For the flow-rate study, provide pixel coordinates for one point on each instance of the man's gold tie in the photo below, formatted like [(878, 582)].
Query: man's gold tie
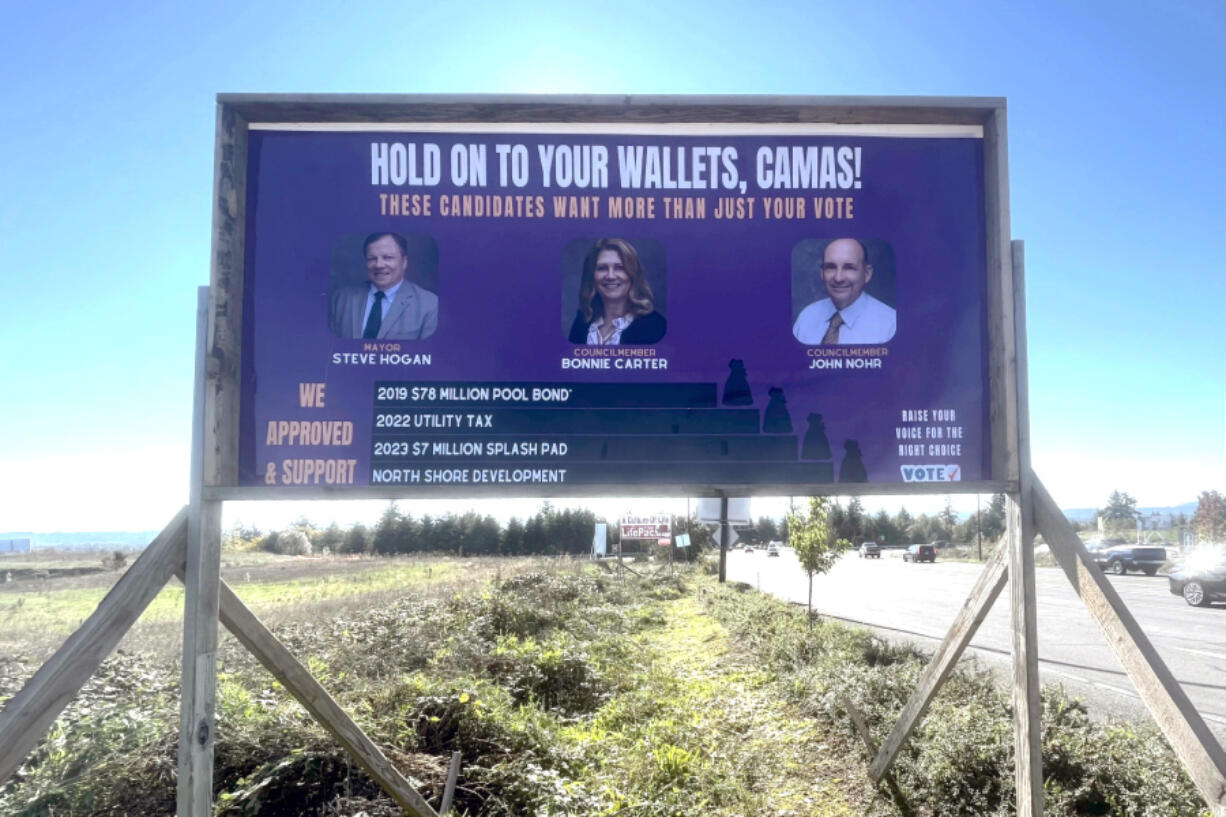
[(832, 334)]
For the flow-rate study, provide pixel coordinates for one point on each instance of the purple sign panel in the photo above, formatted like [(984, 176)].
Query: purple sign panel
[(563, 311)]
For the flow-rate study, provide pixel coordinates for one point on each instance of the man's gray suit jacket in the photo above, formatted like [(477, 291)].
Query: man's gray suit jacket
[(412, 316)]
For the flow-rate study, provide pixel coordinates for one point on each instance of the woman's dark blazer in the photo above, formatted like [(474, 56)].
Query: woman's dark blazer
[(642, 331)]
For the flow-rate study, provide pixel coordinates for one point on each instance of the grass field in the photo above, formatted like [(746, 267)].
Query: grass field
[(567, 691), (40, 613)]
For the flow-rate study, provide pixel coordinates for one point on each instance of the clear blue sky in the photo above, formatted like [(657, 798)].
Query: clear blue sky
[(1116, 158)]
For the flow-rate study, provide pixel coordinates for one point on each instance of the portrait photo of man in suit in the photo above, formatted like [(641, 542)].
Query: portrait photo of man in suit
[(848, 314), (388, 305)]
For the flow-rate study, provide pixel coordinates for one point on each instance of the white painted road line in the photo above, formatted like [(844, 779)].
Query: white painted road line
[(1219, 655)]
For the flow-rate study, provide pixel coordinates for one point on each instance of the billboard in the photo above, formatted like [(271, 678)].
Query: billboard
[(653, 526), (567, 308)]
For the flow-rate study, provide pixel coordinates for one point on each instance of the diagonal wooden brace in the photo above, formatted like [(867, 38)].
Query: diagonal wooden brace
[(1178, 719), (296, 678), (987, 588), (30, 713)]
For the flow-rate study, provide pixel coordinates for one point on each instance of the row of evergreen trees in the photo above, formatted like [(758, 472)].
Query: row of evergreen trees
[(850, 521), (553, 531), (550, 531)]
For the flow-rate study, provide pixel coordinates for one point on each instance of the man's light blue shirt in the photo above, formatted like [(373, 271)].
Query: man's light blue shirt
[(865, 321)]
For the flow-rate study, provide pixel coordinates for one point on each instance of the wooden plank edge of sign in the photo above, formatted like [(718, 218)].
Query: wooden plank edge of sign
[(28, 715), (611, 107), (1027, 702), (252, 493), (297, 679), (979, 602), (223, 360), (1184, 728), (1002, 338)]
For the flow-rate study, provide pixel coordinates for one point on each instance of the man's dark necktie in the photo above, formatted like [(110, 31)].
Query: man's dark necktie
[(832, 334), (376, 317)]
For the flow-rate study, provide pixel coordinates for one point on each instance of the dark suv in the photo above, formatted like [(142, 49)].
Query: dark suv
[(920, 553), (1119, 559)]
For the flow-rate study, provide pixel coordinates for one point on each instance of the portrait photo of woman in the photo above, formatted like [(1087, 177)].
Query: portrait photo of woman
[(616, 302)]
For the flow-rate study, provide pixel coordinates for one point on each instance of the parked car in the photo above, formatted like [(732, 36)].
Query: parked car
[(920, 553), (870, 550), (1200, 579), (772, 550), (1119, 559)]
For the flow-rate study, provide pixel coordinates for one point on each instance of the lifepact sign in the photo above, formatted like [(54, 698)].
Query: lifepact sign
[(556, 296)]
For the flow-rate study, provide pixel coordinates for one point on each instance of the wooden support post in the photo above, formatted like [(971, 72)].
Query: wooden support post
[(270, 652), (1027, 707), (453, 773), (201, 583), (1178, 719), (982, 596), (30, 712), (857, 720)]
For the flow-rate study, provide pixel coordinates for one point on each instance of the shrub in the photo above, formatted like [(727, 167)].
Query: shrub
[(556, 674), (959, 760)]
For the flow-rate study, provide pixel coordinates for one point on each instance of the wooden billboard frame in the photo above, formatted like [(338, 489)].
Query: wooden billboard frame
[(237, 114), (190, 545)]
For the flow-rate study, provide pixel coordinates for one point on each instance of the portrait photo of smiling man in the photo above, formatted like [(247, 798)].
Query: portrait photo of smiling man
[(620, 293), (841, 271), (393, 302)]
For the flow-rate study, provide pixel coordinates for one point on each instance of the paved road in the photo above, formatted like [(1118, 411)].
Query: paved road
[(919, 603)]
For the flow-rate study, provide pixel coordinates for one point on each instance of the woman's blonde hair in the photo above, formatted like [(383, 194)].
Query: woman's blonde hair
[(642, 301)]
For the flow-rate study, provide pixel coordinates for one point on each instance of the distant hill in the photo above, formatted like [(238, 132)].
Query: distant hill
[(85, 540), (1089, 514)]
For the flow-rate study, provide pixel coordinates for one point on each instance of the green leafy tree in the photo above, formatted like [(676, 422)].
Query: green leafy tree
[(513, 537), (966, 530), (293, 542), (925, 529), (1210, 517), (947, 517), (902, 523), (992, 520), (386, 538), (868, 531), (408, 535), (766, 529), (427, 533), (815, 541), (271, 542), (702, 537), (1120, 508), (836, 516), (887, 533), (357, 540), (331, 537), (856, 519)]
